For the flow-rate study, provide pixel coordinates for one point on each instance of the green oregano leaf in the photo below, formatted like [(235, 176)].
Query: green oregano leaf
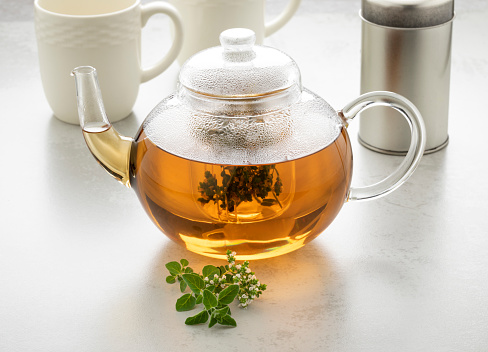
[(228, 320), (188, 270), (183, 286), (209, 299), (184, 262), (212, 321), (219, 314), (209, 271), (222, 311), (200, 318), (228, 294), (185, 302), (211, 288), (174, 268), (170, 279), (199, 299), (194, 282)]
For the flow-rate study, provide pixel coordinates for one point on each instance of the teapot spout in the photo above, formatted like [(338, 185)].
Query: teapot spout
[(109, 148)]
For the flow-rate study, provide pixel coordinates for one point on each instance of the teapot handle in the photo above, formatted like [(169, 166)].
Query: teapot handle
[(415, 151), (280, 21), (153, 8)]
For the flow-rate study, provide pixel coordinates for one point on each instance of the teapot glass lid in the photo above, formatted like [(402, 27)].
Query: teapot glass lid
[(239, 68)]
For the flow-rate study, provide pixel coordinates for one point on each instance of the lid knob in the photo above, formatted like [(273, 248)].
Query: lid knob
[(238, 39)]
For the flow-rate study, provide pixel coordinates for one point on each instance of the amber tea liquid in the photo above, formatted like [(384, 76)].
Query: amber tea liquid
[(258, 211)]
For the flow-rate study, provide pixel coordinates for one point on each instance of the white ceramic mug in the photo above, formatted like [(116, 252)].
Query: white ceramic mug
[(204, 20), (106, 35)]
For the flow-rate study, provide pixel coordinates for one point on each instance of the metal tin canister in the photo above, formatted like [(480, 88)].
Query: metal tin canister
[(406, 49)]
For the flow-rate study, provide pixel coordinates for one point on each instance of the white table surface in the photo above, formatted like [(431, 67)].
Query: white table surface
[(82, 266)]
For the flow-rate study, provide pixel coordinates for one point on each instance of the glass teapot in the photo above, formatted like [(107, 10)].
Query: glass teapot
[(240, 157)]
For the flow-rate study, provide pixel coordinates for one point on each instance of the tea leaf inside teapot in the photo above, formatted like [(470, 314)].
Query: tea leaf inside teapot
[(242, 184)]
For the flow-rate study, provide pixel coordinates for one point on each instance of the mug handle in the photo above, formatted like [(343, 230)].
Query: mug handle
[(415, 151), (280, 21), (153, 8)]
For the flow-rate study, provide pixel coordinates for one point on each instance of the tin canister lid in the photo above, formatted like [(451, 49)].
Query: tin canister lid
[(408, 13)]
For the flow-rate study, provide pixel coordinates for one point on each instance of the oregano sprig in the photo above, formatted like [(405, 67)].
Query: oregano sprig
[(215, 288)]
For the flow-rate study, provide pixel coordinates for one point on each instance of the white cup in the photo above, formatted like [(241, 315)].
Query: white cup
[(204, 20), (105, 34)]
